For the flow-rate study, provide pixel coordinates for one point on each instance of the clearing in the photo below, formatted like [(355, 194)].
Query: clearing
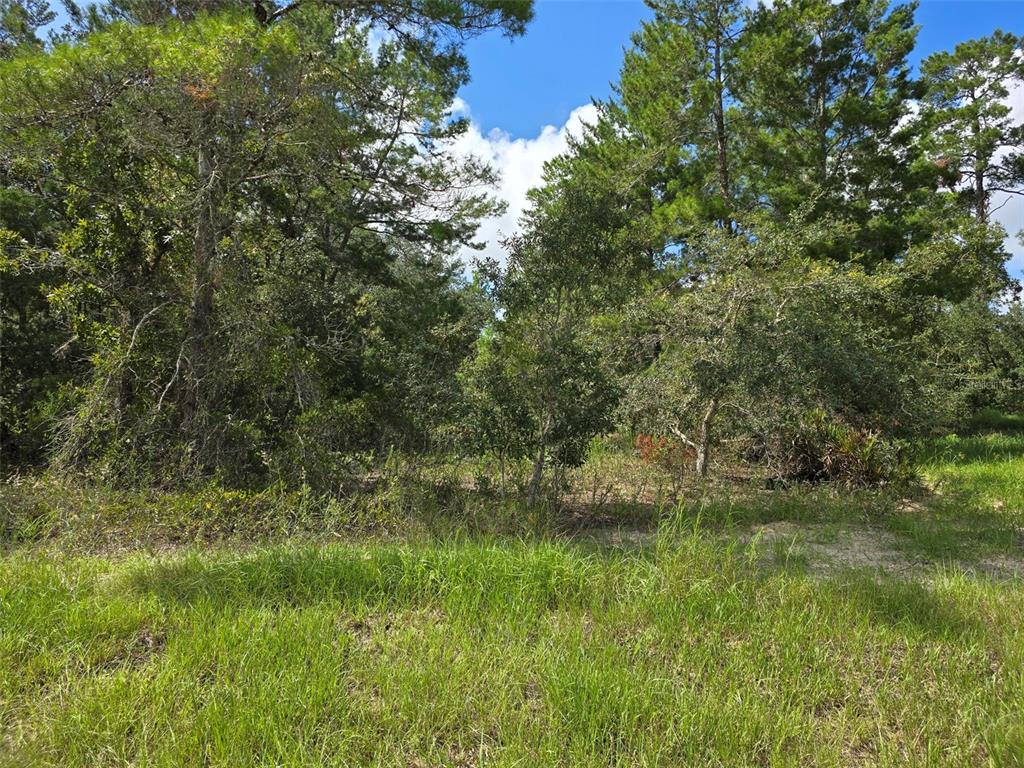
[(785, 628)]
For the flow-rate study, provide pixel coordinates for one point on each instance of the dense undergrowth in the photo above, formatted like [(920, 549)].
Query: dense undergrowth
[(411, 499), (973, 485)]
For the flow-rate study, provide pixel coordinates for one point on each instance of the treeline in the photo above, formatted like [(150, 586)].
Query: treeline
[(229, 230)]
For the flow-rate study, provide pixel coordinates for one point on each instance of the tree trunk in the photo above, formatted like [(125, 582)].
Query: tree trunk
[(980, 195), (538, 473), (721, 138), (533, 490), (704, 437), (204, 245), (980, 199), (980, 165)]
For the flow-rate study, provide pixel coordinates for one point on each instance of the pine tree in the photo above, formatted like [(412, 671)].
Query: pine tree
[(827, 87), (971, 135)]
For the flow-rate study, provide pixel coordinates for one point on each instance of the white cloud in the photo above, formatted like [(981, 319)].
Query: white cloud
[(459, 107), (1011, 214), (376, 36), (520, 163)]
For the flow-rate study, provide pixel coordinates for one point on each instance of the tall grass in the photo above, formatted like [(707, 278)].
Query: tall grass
[(504, 653), (486, 638)]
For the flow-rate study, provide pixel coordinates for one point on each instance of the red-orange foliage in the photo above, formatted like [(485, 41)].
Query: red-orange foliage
[(200, 91), (655, 449)]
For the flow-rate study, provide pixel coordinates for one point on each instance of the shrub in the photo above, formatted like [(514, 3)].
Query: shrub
[(821, 448), (663, 452)]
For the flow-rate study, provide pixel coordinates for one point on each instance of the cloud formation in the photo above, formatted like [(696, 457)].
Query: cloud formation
[(1011, 214), (520, 163)]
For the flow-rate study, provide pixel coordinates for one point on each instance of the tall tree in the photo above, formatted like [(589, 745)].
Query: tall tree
[(722, 109), (30, 371), (20, 24), (232, 188), (827, 86), (968, 120), (676, 96)]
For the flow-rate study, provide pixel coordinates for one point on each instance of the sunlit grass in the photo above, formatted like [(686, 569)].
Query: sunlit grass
[(976, 504), (987, 468), (695, 643), (502, 653)]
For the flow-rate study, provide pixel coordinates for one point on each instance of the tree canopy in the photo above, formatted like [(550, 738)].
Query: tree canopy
[(229, 234)]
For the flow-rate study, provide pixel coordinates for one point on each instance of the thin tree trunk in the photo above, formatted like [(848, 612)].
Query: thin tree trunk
[(125, 390), (980, 198), (201, 309), (538, 473), (704, 437), (980, 194), (539, 462), (721, 138)]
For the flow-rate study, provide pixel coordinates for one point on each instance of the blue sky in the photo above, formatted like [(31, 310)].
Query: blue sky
[(527, 93), (573, 48)]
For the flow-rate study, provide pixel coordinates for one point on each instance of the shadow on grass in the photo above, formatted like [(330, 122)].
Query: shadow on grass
[(473, 577), (509, 583), (907, 605)]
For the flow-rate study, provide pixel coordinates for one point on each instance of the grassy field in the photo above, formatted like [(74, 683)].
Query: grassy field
[(745, 628)]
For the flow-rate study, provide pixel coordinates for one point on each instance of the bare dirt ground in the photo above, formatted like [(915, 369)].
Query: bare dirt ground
[(829, 549)]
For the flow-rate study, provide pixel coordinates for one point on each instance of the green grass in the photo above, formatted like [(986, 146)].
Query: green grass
[(692, 644), (502, 653), (976, 507), (985, 469)]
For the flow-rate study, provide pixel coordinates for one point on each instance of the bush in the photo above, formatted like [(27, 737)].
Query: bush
[(821, 448), (664, 452)]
